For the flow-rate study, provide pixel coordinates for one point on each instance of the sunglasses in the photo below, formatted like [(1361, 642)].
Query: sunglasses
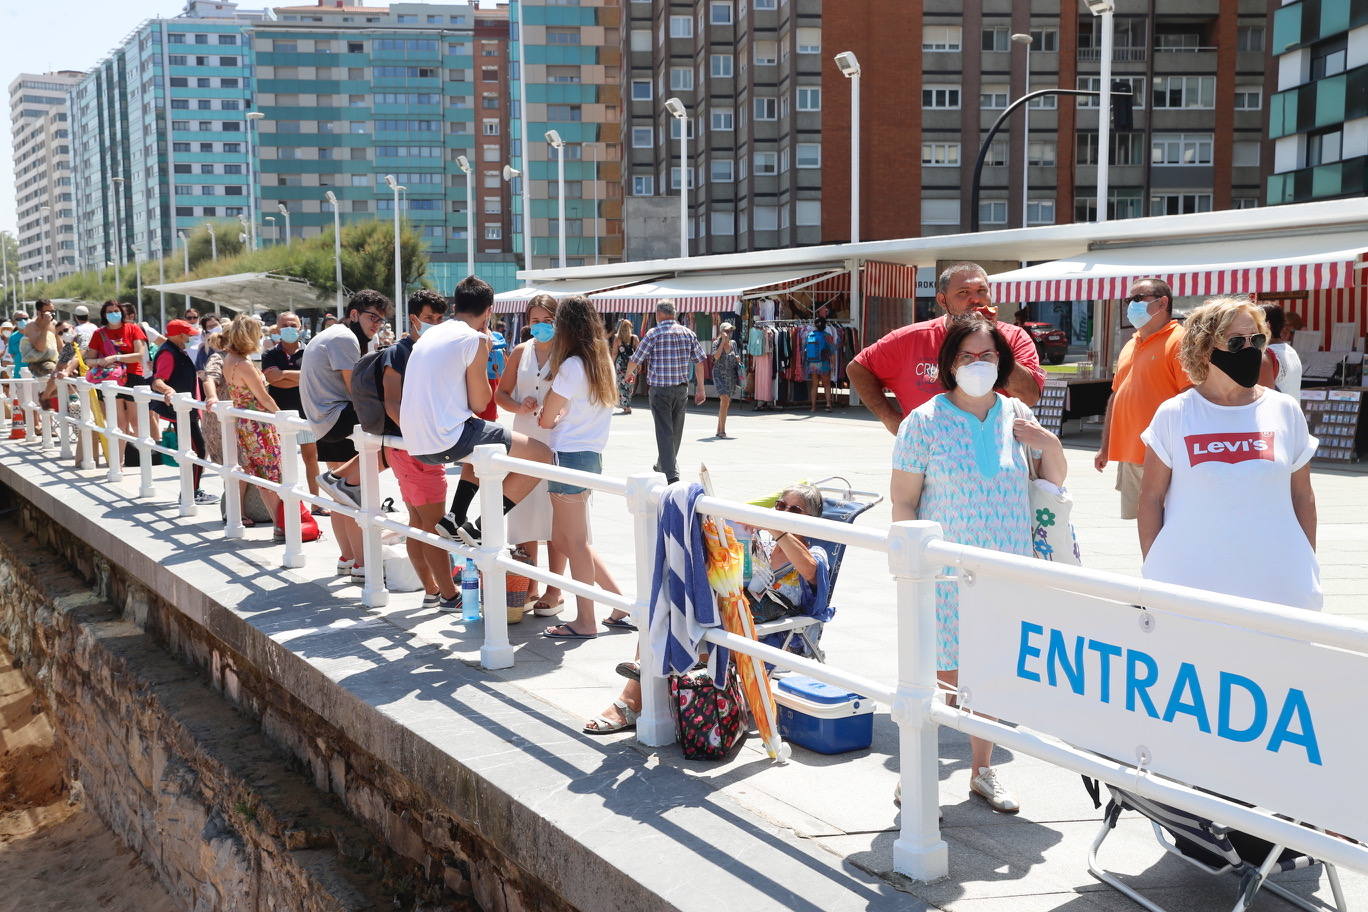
[(1240, 343), (789, 508)]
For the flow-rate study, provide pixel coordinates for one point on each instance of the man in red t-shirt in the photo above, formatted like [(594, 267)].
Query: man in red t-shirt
[(904, 361)]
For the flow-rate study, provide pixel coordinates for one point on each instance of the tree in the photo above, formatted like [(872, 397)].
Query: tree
[(11, 247)]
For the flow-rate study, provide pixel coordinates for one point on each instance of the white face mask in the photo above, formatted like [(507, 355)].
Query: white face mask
[(977, 379)]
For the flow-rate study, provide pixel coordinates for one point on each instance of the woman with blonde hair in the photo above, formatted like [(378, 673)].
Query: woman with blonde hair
[(578, 410), (623, 345), (726, 375), (258, 444), (1227, 470)]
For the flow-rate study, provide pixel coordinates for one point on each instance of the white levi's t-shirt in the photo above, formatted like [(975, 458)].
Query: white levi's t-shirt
[(436, 404), (1229, 525), (584, 426)]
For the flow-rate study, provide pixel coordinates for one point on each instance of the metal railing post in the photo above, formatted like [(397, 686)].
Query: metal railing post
[(373, 592), (63, 394), (110, 390), (919, 852), (655, 726), (496, 652), (84, 391), (289, 477), (232, 491), (145, 488), (184, 450)]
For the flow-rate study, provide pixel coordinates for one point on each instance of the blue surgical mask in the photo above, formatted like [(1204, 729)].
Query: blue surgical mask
[(275, 337), (542, 332), (289, 334), (115, 317), (21, 324), (1137, 313)]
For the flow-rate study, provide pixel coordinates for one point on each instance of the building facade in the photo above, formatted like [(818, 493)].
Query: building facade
[(1318, 115), (40, 133)]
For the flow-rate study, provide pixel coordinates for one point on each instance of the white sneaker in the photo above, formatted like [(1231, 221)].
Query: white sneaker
[(987, 787), (344, 567)]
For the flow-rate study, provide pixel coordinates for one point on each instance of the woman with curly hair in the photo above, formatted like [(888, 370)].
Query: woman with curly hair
[(1227, 470), (578, 410)]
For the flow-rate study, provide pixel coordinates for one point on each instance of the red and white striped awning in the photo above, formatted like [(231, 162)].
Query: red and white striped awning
[(706, 293), (1251, 266), (507, 302), (878, 280)]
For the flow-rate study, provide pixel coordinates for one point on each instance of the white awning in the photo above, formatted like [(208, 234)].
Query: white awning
[(516, 301), (720, 293), (248, 292), (1258, 265)]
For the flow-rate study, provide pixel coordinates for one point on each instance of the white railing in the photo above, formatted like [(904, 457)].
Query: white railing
[(917, 558)]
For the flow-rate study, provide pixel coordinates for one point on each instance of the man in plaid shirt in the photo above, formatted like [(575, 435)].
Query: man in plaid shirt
[(670, 350)]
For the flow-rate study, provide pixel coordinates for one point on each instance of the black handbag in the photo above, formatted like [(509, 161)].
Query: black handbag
[(770, 606)]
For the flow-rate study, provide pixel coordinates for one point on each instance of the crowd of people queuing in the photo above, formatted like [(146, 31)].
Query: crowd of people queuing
[(1211, 447)]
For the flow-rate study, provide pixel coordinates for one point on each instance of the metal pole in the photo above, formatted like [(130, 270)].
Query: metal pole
[(161, 295), (185, 262), (522, 119), (560, 205), (684, 187), (594, 146), (1104, 120), (470, 221), (401, 325), (285, 211), (4, 264), (137, 281), (118, 226), (1026, 145), (855, 158), (252, 118), (337, 252)]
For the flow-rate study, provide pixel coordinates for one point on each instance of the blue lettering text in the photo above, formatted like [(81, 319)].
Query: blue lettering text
[(1028, 651), (1295, 705), (1058, 658), (1256, 695), (1137, 686), (1187, 682)]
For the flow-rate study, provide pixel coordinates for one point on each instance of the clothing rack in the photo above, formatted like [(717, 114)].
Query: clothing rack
[(776, 380)]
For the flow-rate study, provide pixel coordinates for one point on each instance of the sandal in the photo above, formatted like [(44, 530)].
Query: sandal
[(629, 670), (316, 510), (567, 633), (543, 608), (622, 623), (247, 522), (602, 725)]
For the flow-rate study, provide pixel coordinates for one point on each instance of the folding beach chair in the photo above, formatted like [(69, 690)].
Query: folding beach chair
[(1212, 848), (843, 504)]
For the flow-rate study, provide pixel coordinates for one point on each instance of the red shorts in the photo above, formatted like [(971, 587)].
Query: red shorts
[(491, 412), (420, 484)]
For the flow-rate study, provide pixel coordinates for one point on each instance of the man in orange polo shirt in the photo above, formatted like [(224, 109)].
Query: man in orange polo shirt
[(1148, 373)]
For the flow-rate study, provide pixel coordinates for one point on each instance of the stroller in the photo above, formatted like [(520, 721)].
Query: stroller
[(802, 634)]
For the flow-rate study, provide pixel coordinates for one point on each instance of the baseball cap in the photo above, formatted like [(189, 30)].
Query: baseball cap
[(81, 310), (181, 328), (7, 325)]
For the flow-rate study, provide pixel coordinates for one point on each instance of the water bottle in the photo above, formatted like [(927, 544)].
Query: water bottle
[(470, 592), (744, 537)]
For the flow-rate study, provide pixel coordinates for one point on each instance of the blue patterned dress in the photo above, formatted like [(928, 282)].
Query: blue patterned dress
[(975, 486)]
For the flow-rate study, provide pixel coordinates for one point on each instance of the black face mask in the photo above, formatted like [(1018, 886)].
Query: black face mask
[(1241, 366), (360, 334)]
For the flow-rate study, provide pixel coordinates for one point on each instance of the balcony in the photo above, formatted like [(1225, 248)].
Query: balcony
[(1119, 54), (1339, 179)]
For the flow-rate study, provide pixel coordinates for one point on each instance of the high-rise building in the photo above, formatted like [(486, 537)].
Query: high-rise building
[(159, 130), (1318, 113), (40, 131)]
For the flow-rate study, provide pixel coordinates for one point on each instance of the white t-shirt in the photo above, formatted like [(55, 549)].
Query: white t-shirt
[(1289, 369), (584, 426), (1228, 520), (84, 332), (436, 404)]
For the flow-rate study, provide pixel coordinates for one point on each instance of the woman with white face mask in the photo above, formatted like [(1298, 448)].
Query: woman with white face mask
[(961, 459)]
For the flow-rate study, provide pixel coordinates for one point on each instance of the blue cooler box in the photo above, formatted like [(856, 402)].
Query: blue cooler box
[(822, 718)]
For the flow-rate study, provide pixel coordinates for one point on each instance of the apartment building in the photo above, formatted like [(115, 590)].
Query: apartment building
[(160, 134), (40, 134), (1318, 113)]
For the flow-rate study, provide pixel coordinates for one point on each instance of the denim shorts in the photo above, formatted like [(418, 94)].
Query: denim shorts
[(475, 432), (584, 462)]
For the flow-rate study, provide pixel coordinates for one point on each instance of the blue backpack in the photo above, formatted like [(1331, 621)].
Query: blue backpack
[(815, 345), (498, 356)]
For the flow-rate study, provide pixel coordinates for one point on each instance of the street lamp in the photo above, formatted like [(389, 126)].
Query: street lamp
[(337, 247), (185, 260), (113, 281), (849, 66), (275, 233), (1025, 41), (46, 213), (554, 138), (252, 118), (675, 108), (400, 309), (137, 270), (464, 164), (510, 174), (283, 210), (118, 222), (213, 241), (1104, 9)]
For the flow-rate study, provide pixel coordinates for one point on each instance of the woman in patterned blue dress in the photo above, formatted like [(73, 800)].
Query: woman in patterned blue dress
[(961, 460)]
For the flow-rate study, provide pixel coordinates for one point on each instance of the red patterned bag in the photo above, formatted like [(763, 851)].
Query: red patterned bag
[(708, 719)]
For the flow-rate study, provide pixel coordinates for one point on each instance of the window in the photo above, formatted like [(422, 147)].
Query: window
[(1245, 154), (766, 53), (766, 163), (991, 212), (809, 98), (228, 61), (559, 113), (227, 39), (1248, 98), (1245, 202), (1250, 38), (1094, 84), (641, 90), (723, 120), (490, 154), (720, 12), (766, 108), (1184, 92), (940, 211), (681, 27), (808, 155), (997, 38), (643, 185), (674, 178), (643, 138), (176, 60), (562, 35), (1040, 211), (1127, 148), (941, 97), (1181, 149), (1176, 203), (994, 97), (1041, 152), (1045, 102), (722, 171), (1324, 148), (206, 169), (493, 206), (356, 47), (721, 66), (641, 40), (493, 232), (809, 40), (681, 79), (675, 128), (940, 154), (941, 38), (489, 128), (1045, 39)]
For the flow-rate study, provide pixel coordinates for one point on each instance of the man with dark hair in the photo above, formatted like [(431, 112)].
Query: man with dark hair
[(325, 392), (1148, 374), (671, 352), (445, 389), (1285, 369), (904, 362)]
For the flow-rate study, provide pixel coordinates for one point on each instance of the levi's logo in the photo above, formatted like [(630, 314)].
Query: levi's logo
[(1229, 448)]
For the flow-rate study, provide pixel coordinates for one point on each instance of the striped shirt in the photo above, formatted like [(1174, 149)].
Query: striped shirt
[(672, 350)]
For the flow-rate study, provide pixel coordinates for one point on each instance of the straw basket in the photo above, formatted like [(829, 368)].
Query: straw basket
[(518, 587)]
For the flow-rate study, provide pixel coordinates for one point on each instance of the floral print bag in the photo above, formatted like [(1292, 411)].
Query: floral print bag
[(1052, 532)]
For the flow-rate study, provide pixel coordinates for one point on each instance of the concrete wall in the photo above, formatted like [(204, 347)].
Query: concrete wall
[(651, 227)]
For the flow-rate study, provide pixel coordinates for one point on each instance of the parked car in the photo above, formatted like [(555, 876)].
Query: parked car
[(1052, 344)]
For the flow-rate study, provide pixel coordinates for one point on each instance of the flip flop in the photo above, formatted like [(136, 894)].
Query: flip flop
[(619, 624), (543, 608), (316, 510), (569, 634), (629, 670), (601, 725)]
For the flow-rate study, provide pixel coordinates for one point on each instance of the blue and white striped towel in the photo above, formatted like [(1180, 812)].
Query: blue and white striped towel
[(682, 602)]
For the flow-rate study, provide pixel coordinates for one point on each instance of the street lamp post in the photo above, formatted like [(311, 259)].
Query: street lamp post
[(4, 267), (510, 174), (137, 281), (675, 108), (275, 232), (849, 66), (464, 164), (1025, 41), (1105, 9), (213, 241), (118, 222), (285, 211), (45, 213), (252, 118), (399, 305), (185, 260), (554, 138), (337, 247)]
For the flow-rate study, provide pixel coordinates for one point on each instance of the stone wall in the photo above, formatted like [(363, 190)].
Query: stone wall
[(235, 793)]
